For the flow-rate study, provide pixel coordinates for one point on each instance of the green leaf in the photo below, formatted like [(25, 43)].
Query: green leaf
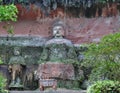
[(8, 12)]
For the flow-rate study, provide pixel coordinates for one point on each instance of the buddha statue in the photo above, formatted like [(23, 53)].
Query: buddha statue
[(16, 66), (58, 49), (58, 58)]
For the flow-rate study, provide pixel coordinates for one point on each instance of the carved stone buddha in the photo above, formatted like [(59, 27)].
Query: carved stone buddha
[(58, 49), (57, 58)]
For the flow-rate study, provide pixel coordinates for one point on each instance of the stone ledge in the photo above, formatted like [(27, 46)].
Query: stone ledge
[(51, 91), (21, 40)]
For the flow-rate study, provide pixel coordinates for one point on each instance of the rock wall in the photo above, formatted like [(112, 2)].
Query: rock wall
[(31, 49), (78, 30), (31, 36)]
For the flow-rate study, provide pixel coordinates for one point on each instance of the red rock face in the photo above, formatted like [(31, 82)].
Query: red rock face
[(30, 14), (78, 30), (55, 70)]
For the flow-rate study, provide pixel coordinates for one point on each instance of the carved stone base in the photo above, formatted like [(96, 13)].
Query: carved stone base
[(16, 87), (44, 83)]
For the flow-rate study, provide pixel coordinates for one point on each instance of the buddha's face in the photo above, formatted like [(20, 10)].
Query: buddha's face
[(58, 31)]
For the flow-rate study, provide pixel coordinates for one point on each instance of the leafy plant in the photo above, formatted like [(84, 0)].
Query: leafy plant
[(1, 62), (8, 12), (104, 58), (2, 84), (9, 28), (106, 86)]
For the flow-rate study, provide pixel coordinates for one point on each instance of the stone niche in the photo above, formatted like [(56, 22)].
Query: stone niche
[(30, 48), (33, 50)]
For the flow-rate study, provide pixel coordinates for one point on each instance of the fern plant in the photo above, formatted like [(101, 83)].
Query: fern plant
[(1, 62), (106, 86), (3, 84)]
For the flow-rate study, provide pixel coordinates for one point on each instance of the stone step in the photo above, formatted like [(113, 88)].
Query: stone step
[(51, 91)]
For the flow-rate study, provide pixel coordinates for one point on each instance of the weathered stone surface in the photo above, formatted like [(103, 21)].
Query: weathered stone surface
[(22, 40), (68, 84), (58, 50), (4, 70), (85, 84), (56, 70), (79, 74), (77, 29), (29, 53), (17, 60), (52, 91), (30, 81), (59, 41)]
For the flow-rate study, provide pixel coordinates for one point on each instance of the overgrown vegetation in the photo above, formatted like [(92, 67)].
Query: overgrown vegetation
[(78, 8), (73, 3), (2, 84), (70, 56), (106, 86), (1, 62), (104, 58)]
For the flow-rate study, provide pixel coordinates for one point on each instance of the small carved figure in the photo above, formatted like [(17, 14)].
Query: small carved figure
[(16, 65)]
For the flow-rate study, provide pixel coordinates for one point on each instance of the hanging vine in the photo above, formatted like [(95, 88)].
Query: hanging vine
[(47, 5)]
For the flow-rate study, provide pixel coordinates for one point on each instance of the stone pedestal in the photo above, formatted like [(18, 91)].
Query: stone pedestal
[(56, 70)]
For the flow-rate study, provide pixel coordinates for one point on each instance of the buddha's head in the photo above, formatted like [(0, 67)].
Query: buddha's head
[(58, 30)]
